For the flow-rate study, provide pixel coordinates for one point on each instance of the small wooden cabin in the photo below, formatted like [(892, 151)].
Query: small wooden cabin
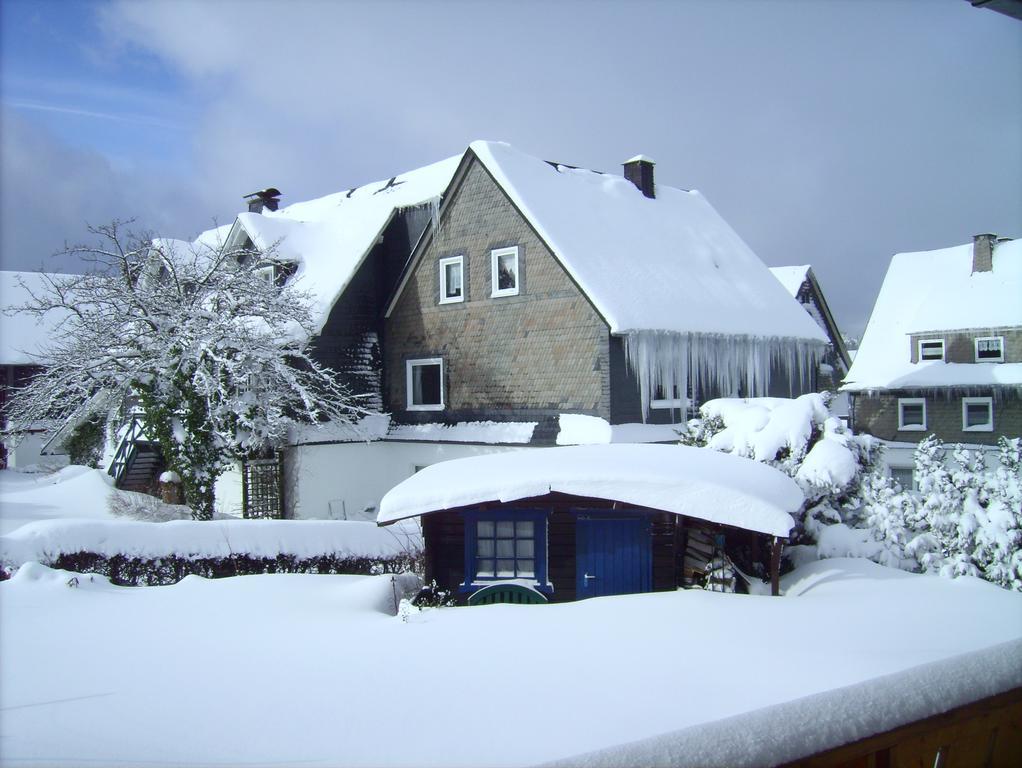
[(586, 521)]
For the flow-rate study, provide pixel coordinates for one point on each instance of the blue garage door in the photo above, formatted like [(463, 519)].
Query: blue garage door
[(612, 556)]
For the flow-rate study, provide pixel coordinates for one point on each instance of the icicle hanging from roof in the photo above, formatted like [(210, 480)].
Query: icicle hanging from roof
[(723, 365)]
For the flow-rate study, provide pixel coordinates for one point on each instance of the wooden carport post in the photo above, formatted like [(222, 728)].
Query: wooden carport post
[(775, 566)]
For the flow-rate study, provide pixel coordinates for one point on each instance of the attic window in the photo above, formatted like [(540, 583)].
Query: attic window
[(990, 349), (931, 349), (911, 414), (452, 282), (504, 271)]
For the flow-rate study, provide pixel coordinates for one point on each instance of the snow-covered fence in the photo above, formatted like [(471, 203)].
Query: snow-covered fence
[(135, 553)]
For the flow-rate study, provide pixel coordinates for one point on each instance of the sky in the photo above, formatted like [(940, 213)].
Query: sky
[(829, 132)]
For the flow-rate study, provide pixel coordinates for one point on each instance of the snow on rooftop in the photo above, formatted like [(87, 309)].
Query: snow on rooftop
[(664, 264), (937, 291), (329, 237), (683, 480), (23, 336), (791, 277)]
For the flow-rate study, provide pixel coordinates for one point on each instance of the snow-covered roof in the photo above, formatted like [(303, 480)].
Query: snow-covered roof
[(329, 237), (937, 291), (689, 481), (791, 278), (668, 263), (22, 335)]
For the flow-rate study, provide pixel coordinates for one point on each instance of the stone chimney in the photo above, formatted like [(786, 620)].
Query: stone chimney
[(639, 171), (983, 252), (268, 198)]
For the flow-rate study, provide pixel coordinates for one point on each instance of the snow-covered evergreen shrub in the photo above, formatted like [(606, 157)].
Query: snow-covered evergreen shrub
[(85, 445)]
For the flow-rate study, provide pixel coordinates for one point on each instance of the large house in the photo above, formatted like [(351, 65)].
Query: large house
[(942, 352), (495, 301)]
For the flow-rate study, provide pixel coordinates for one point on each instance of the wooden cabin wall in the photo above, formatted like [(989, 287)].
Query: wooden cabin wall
[(561, 555), (443, 536)]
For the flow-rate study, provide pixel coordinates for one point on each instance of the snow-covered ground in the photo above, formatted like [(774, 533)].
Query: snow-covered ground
[(294, 669), (72, 492)]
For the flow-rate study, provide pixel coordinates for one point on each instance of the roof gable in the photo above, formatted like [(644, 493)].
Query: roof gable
[(933, 291)]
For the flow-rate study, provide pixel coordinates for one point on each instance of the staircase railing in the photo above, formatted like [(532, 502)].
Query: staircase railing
[(126, 450)]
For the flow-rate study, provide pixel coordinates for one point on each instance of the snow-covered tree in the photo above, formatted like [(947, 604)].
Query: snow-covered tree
[(215, 355)]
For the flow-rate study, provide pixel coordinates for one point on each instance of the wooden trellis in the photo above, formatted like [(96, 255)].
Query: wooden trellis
[(262, 488)]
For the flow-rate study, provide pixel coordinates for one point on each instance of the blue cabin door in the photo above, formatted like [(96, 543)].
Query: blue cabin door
[(612, 556)]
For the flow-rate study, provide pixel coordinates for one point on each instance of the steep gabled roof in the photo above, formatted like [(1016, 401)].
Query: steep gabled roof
[(934, 292), (668, 263), (793, 279), (24, 336)]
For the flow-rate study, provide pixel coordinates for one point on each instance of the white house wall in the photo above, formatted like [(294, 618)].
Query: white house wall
[(347, 480)]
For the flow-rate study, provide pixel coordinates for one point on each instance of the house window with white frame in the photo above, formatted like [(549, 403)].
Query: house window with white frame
[(931, 349), (977, 414), (911, 414), (452, 280), (424, 384), (266, 273), (504, 272), (905, 477), (990, 349)]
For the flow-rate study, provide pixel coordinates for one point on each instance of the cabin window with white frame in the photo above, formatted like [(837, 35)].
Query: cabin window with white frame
[(990, 349), (424, 380), (452, 280), (661, 401), (504, 272), (977, 414), (931, 349), (912, 414), (505, 549)]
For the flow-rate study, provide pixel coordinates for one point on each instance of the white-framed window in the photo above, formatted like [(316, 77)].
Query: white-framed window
[(990, 349), (931, 349), (452, 279), (504, 272), (905, 477), (265, 273), (911, 414), (424, 384), (977, 414)]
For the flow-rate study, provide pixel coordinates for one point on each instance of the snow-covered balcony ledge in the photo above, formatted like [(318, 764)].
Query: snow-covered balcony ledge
[(688, 364)]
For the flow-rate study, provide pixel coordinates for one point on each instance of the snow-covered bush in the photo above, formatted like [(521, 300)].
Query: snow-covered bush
[(801, 438)]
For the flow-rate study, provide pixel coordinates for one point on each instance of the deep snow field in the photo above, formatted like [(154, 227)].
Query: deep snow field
[(318, 670)]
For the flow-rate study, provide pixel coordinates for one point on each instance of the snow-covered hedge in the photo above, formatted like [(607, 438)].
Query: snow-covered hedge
[(132, 552)]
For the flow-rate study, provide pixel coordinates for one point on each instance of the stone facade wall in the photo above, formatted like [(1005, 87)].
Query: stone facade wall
[(960, 346), (542, 352), (878, 416)]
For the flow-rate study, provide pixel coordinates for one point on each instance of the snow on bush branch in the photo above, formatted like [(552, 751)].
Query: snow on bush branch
[(965, 518), (215, 355)]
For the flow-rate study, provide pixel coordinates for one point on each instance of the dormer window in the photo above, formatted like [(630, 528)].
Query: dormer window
[(990, 349), (452, 280), (931, 349)]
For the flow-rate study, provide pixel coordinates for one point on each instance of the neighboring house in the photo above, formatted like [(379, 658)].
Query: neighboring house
[(942, 352), (480, 300), (22, 337), (562, 524), (802, 284)]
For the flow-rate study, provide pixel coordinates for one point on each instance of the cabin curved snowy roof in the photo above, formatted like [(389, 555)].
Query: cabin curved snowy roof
[(24, 336), (937, 291), (668, 263), (696, 482)]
